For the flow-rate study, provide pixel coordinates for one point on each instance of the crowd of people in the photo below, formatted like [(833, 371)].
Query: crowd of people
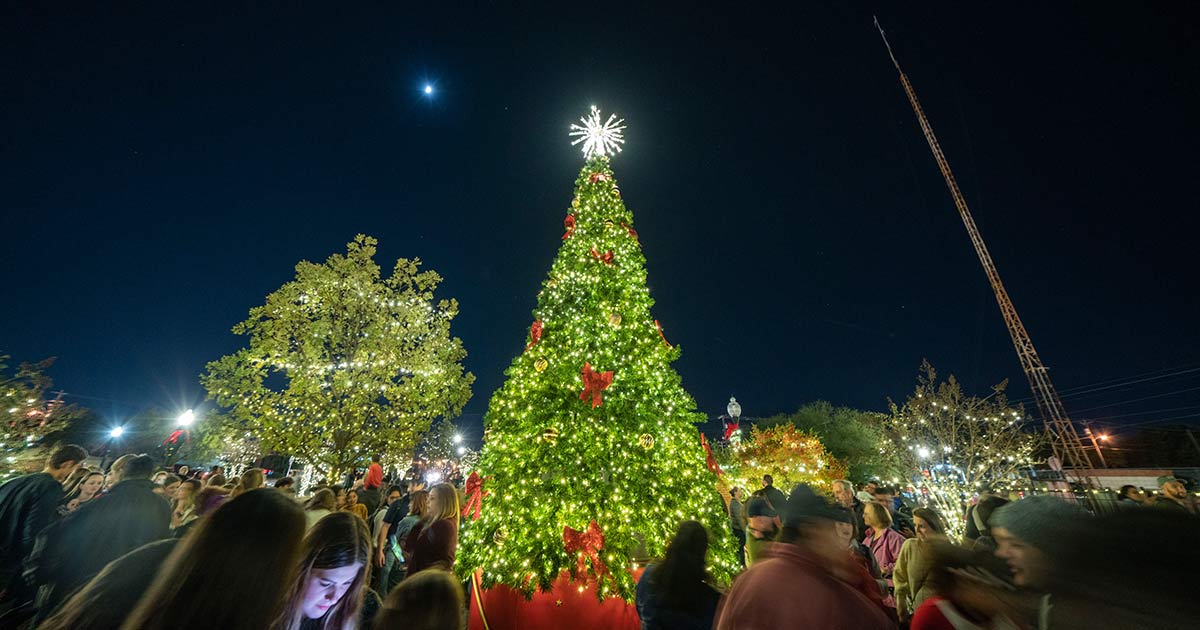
[(139, 547), (863, 558)]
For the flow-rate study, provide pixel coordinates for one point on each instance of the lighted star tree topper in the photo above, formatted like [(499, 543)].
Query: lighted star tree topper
[(599, 138), (591, 449)]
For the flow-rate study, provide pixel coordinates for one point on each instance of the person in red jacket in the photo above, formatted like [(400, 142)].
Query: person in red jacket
[(804, 580)]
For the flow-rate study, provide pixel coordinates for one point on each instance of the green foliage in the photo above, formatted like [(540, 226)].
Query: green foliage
[(439, 442), (855, 437), (551, 460), (343, 363), (28, 417)]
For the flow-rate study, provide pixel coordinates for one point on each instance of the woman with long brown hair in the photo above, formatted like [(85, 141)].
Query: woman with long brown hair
[(436, 543), (915, 562), (329, 589), (232, 572)]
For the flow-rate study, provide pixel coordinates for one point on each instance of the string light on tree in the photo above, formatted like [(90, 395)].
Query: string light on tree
[(591, 447)]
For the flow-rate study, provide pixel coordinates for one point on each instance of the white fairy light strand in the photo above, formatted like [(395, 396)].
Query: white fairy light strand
[(599, 138)]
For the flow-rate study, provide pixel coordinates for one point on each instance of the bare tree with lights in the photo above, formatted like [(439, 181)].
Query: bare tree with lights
[(951, 443), (343, 363)]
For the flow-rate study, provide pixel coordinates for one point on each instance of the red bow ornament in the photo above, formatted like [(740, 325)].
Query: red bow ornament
[(709, 460), (535, 334), (569, 224), (606, 257), (730, 428), (632, 232), (593, 383), (475, 493), (587, 546), (597, 177)]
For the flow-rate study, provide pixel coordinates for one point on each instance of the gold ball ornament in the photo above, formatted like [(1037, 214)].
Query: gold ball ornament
[(646, 441), (608, 224), (499, 536), (550, 435), (616, 191), (614, 319), (541, 365), (575, 202)]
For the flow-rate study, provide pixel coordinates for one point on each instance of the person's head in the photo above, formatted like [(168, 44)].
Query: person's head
[(216, 470), (217, 480), (876, 516), (418, 503), (844, 525), (843, 491), (339, 495), (187, 491), (870, 487), (252, 479), (975, 581), (116, 470), (169, 486), (1027, 530), (351, 498), (426, 600), (393, 494), (885, 496), (231, 572), (71, 481), (1131, 493), (928, 524), (285, 483), (810, 521), (88, 485), (322, 499), (332, 573), (443, 503), (1172, 488), (767, 481), (159, 476), (64, 460), (982, 514), (679, 577), (140, 467), (183, 472)]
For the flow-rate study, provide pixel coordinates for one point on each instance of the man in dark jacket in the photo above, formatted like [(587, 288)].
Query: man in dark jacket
[(772, 494), (28, 505), (77, 548), (843, 492)]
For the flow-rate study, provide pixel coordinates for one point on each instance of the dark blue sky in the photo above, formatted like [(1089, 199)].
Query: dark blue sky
[(163, 170)]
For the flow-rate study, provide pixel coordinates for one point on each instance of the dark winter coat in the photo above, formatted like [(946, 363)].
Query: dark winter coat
[(106, 600), (73, 551), (371, 498), (436, 546), (28, 505), (655, 616)]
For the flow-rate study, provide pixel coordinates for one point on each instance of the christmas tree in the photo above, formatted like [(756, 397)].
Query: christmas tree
[(591, 452)]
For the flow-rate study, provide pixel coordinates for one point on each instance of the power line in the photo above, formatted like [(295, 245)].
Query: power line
[(1081, 390), (1133, 400)]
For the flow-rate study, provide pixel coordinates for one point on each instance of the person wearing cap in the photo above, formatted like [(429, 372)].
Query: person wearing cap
[(802, 581), (761, 527), (1172, 495), (911, 574), (1028, 534)]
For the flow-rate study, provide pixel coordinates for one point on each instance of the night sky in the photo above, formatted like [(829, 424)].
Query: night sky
[(161, 172)]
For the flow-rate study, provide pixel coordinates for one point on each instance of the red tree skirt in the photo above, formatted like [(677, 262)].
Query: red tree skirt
[(564, 606)]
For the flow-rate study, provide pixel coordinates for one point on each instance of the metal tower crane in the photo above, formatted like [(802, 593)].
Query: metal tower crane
[(1068, 447)]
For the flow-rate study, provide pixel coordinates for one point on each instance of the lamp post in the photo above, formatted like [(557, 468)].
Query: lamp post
[(733, 421), (184, 422)]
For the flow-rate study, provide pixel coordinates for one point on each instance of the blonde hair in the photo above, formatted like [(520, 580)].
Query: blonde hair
[(447, 503), (879, 514), (427, 600)]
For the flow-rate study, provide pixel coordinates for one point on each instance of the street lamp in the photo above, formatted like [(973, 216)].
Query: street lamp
[(116, 432), (113, 434), (186, 418), (734, 409), (457, 439)]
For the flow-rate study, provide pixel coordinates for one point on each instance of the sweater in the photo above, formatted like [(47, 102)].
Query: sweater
[(436, 545), (912, 571)]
